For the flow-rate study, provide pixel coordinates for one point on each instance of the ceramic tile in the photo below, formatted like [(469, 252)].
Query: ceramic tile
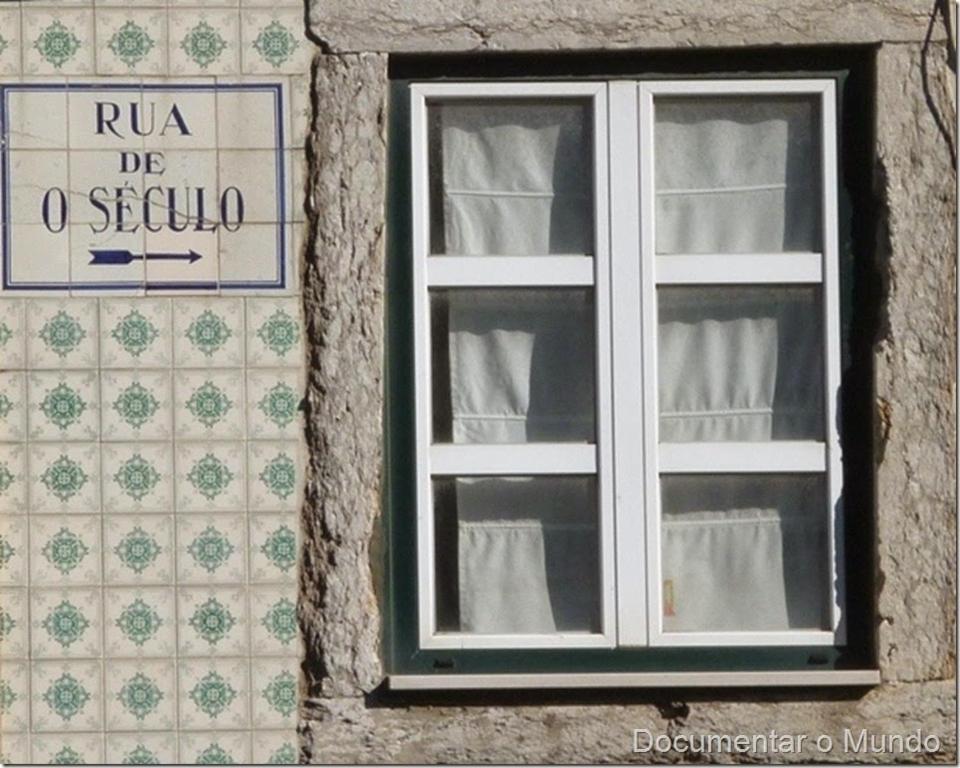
[(116, 133), (213, 694), (299, 178), (273, 42), (68, 749), (138, 549), (205, 42), (65, 550), (141, 695), (274, 547), (210, 549), (139, 622), (13, 406), (208, 332), (66, 696), (275, 692), (210, 477), (13, 479), (274, 332), (142, 748), (13, 550), (209, 405), (273, 404), (15, 749), (212, 622), (62, 333), (202, 274), (64, 477), (57, 41), (12, 334), (273, 474), (250, 170), (14, 625), (275, 747), (42, 275), (38, 118), (131, 41), (248, 120), (10, 47), (65, 623), (136, 405), (242, 261), (137, 477), (15, 693), (135, 333), (32, 172), (212, 748), (274, 629), (63, 405)]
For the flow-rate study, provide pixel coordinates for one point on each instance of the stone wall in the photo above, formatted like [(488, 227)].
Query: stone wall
[(343, 718)]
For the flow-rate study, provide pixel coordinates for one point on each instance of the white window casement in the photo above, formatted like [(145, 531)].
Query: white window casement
[(627, 364)]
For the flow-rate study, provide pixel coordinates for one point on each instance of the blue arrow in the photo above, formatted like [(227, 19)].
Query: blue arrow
[(123, 256)]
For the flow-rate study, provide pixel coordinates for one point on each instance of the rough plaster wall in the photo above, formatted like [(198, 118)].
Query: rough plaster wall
[(469, 25), (343, 298), (915, 390)]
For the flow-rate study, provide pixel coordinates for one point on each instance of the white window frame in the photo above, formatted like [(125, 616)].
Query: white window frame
[(626, 313)]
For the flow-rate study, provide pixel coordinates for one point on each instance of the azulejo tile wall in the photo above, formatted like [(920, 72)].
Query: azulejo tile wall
[(149, 486)]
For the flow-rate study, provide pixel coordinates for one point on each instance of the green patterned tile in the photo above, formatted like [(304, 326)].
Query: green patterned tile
[(213, 622), (140, 622), (274, 628), (274, 547), (208, 333), (13, 479), (135, 333), (131, 42), (141, 695), (14, 627), (66, 696), (210, 549), (205, 42), (12, 333), (274, 42), (276, 692), (13, 406), (274, 333), (13, 550), (63, 405), (213, 694), (137, 477), (62, 333), (65, 550), (57, 41), (67, 749), (143, 748), (210, 477), (274, 398), (14, 697), (208, 405), (215, 748), (276, 747), (137, 405), (274, 472), (138, 549), (64, 477), (65, 623)]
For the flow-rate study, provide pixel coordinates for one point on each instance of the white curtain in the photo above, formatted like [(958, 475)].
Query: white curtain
[(740, 364), (736, 175), (744, 553), (516, 179)]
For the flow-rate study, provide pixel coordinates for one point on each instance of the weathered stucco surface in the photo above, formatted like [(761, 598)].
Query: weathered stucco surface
[(915, 386)]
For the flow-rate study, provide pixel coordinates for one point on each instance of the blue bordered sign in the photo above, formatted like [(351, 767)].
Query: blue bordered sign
[(167, 186)]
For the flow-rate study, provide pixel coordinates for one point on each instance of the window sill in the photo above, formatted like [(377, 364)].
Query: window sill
[(846, 677)]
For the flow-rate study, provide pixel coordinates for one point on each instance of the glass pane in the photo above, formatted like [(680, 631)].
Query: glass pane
[(737, 174), (517, 555), (511, 178), (744, 552), (740, 364), (513, 365)]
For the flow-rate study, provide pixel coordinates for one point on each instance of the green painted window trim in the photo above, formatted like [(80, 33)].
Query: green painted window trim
[(853, 72)]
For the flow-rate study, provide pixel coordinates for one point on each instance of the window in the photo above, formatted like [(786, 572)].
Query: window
[(627, 364)]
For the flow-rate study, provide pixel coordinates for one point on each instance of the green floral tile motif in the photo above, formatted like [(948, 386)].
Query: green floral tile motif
[(6, 405), (65, 550), (57, 44), (280, 620), (214, 755), (64, 478), (136, 405), (280, 548), (210, 476), (203, 44), (7, 624), (135, 333), (7, 551), (6, 478), (65, 623), (137, 477), (140, 755), (62, 333), (137, 550), (209, 404), (140, 696), (139, 622), (281, 693), (212, 694), (63, 405), (212, 621), (279, 333), (280, 476), (7, 697), (208, 332), (279, 404), (211, 549), (131, 43), (66, 696), (286, 755), (275, 43), (68, 756), (5, 333)]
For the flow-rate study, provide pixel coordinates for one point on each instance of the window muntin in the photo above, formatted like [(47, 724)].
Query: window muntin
[(706, 447)]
